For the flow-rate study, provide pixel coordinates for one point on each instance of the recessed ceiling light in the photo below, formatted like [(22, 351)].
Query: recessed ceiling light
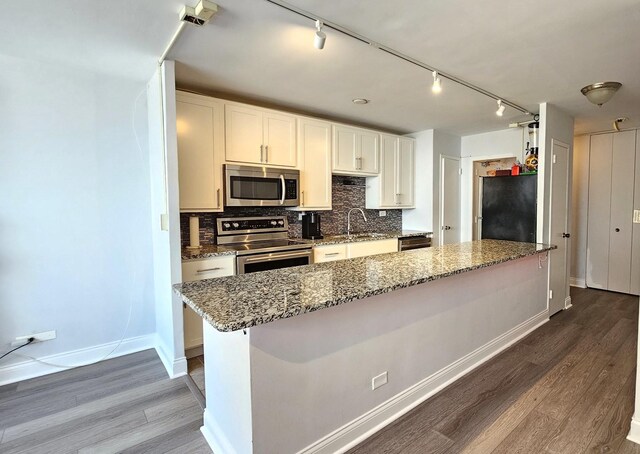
[(360, 101)]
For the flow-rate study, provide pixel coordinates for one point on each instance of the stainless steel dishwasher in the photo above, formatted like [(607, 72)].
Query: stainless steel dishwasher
[(407, 243)]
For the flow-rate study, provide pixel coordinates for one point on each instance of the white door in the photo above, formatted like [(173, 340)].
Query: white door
[(279, 139), (449, 200), (621, 226), (388, 173), (369, 155), (315, 172), (243, 127), (345, 143), (406, 172), (559, 228)]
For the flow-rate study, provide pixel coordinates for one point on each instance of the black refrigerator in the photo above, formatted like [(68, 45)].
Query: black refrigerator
[(509, 208)]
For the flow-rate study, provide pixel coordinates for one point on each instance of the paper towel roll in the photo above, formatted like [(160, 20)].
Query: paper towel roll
[(194, 232)]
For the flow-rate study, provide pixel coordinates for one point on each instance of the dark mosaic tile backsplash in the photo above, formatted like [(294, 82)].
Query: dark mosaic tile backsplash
[(347, 192)]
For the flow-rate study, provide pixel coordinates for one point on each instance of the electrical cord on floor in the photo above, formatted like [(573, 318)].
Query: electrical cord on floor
[(31, 339)]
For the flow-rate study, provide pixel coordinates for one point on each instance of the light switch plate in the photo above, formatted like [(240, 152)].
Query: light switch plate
[(636, 216), (382, 213)]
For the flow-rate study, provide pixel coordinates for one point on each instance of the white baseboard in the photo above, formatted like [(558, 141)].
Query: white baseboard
[(214, 436), (30, 369), (634, 432), (576, 282), (364, 426), (176, 367)]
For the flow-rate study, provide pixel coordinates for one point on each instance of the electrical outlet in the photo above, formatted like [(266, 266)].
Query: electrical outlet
[(299, 216), (40, 337), (382, 213), (636, 216), (379, 380)]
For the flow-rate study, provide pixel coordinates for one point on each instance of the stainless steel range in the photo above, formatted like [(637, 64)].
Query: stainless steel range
[(262, 243)]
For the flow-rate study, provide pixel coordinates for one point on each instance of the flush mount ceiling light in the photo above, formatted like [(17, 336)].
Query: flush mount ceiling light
[(320, 37), (601, 92), (320, 22), (360, 101), (437, 83), (500, 110)]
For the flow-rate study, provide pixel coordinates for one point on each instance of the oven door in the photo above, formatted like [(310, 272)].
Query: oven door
[(260, 186), (272, 261)]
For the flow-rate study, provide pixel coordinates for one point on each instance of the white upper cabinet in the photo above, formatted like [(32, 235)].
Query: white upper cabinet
[(260, 136), (394, 187), (314, 159), (355, 151), (200, 129)]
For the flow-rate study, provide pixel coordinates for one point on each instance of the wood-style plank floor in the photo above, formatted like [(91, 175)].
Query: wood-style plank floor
[(568, 387), (124, 405)]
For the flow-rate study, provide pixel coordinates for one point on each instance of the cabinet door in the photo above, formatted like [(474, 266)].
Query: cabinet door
[(329, 253), (365, 248), (388, 172), (406, 172), (243, 133), (279, 139), (345, 143), (621, 225), (199, 125), (369, 152), (598, 220), (314, 139)]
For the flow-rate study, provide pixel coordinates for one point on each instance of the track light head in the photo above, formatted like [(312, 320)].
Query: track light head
[(437, 83), (501, 108), (320, 37)]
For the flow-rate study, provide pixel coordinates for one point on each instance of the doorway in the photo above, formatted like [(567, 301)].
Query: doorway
[(559, 298), (449, 200)]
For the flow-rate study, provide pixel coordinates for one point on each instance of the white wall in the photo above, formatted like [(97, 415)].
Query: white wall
[(163, 157), (489, 145), (421, 217), (580, 206), (75, 243), (443, 145)]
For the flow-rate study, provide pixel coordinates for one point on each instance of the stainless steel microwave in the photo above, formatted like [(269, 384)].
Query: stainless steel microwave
[(248, 186)]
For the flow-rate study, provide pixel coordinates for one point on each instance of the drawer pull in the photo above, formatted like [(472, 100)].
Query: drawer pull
[(210, 269), (332, 254)]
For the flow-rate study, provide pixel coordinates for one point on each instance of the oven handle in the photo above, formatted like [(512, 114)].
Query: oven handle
[(284, 188), (275, 256)]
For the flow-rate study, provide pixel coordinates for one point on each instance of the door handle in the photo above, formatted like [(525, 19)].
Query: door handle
[(566, 235), (218, 197), (266, 153), (261, 153), (284, 187)]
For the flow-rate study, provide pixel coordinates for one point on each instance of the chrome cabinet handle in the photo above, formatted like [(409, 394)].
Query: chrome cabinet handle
[(261, 153), (209, 269), (332, 254), (277, 257), (302, 199), (266, 153), (218, 197)]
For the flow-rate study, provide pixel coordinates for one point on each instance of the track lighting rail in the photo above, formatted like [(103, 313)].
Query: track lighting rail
[(395, 53)]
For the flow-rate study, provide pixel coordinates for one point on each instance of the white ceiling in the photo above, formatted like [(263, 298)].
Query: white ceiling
[(525, 52)]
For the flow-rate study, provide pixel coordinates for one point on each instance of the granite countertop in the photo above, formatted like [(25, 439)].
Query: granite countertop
[(237, 302), (206, 251), (213, 250), (357, 237)]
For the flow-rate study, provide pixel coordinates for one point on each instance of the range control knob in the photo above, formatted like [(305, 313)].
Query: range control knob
[(280, 222), (226, 225), (274, 223), (236, 225)]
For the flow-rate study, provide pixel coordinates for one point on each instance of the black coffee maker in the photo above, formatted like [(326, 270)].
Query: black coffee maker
[(311, 226)]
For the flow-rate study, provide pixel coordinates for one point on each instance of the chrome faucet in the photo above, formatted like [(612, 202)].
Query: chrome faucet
[(349, 219)]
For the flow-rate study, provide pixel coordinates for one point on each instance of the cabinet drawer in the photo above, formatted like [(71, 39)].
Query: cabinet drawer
[(364, 248), (196, 270), (329, 253)]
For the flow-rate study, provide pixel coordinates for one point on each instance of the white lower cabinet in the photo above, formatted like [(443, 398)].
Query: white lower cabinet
[(329, 253), (333, 252), (197, 270)]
